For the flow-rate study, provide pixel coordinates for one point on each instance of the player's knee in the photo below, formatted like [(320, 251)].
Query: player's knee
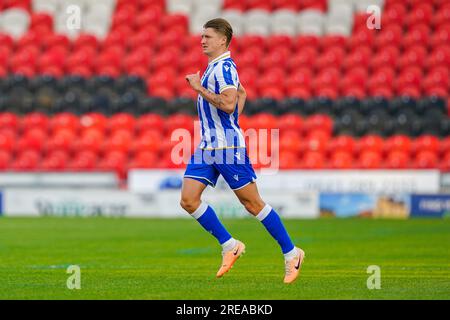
[(189, 204), (252, 206)]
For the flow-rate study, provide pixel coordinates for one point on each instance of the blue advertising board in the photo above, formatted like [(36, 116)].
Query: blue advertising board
[(430, 205)]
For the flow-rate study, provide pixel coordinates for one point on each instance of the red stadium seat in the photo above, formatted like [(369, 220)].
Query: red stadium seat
[(7, 142), (120, 141), (64, 120), (389, 36), (124, 15), (151, 16), (290, 142), (387, 56), (26, 161), (341, 143), (427, 143), (84, 160), (93, 120), (138, 57), (55, 40), (328, 77), (250, 58), (85, 40), (55, 161), (371, 143), (414, 56), (288, 160), (143, 159), (369, 160), (397, 160), (411, 76), (315, 143), (398, 142), (441, 16), (418, 35), (330, 57), (259, 4), (32, 139), (290, 121), (278, 40), (235, 5), (163, 77), (91, 140), (436, 77), (5, 159), (313, 160), (272, 77), (121, 121), (319, 122), (29, 39), (62, 139), (394, 14), (359, 56), (179, 121), (441, 37), (9, 120), (264, 121), (6, 40), (34, 120), (421, 13), (118, 37), (425, 160), (361, 38), (148, 141), (169, 21), (276, 57), (341, 160)]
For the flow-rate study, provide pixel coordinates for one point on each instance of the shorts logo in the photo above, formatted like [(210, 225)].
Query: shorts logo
[(238, 155), (236, 177)]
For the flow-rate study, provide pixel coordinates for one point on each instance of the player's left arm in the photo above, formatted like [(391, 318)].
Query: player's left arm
[(242, 96), (227, 82), (225, 101)]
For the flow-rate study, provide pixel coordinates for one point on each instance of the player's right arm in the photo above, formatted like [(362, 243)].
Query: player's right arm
[(242, 96)]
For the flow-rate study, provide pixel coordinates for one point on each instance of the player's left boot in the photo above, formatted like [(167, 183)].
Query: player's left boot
[(293, 266), (230, 257)]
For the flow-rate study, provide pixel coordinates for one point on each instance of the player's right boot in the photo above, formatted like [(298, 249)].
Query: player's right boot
[(293, 266), (230, 257)]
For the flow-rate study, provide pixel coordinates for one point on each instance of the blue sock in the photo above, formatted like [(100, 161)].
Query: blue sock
[(273, 224), (206, 216)]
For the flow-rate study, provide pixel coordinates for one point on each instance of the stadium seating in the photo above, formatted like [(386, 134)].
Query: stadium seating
[(108, 95)]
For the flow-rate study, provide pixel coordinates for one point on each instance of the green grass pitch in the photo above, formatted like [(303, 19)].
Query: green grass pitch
[(128, 258)]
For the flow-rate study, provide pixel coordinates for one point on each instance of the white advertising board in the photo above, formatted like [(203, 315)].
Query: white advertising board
[(115, 203), (368, 181)]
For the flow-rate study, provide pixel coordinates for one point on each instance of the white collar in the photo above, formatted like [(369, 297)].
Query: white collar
[(223, 56)]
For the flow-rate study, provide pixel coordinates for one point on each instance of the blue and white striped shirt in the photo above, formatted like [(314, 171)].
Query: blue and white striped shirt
[(219, 130)]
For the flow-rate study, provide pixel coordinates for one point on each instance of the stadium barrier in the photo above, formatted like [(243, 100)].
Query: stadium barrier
[(121, 203), (165, 204), (365, 181), (105, 180)]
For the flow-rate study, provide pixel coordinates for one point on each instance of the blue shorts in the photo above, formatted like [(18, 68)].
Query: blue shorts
[(233, 164)]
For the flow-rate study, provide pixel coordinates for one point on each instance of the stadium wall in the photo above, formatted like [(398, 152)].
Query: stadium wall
[(165, 204)]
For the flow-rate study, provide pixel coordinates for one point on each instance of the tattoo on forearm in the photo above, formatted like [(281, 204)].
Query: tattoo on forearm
[(213, 98)]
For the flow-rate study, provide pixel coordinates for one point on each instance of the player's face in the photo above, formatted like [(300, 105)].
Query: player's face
[(212, 41)]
